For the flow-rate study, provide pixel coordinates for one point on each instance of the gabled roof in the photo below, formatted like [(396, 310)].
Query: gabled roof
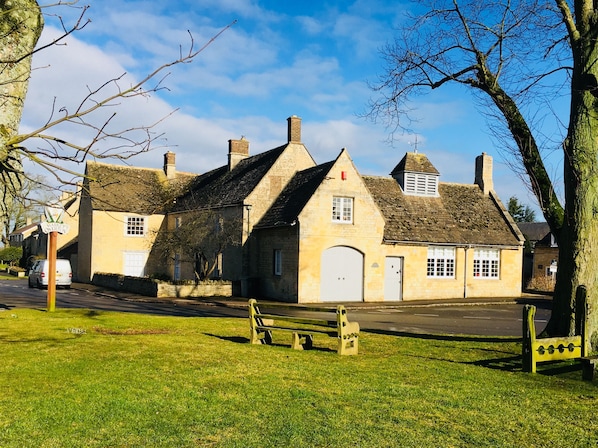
[(222, 187), (131, 189), (295, 196), (25, 230), (461, 214), (534, 231), (416, 163)]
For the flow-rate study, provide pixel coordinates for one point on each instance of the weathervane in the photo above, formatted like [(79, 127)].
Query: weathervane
[(414, 145)]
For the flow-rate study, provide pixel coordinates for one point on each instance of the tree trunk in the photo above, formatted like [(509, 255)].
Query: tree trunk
[(21, 24), (578, 242)]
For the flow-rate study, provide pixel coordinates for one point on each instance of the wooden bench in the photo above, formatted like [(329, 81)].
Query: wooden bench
[(303, 329), (535, 350)]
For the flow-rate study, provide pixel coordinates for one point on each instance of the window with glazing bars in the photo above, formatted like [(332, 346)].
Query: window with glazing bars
[(135, 226), (342, 209), (486, 263), (441, 262)]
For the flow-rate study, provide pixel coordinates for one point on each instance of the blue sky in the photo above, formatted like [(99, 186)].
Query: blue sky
[(313, 59)]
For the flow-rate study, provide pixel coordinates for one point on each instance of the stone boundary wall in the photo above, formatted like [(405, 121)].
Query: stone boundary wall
[(156, 288)]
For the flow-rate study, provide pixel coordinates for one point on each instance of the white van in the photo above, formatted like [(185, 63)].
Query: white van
[(38, 274)]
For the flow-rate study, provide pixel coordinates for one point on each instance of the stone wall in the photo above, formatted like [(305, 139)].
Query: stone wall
[(155, 288)]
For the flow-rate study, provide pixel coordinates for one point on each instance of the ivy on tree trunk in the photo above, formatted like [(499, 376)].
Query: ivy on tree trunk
[(21, 24)]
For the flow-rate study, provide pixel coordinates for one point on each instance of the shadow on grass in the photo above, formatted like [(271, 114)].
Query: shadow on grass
[(243, 340), (507, 364), (235, 339), (558, 368), (511, 363), (444, 337)]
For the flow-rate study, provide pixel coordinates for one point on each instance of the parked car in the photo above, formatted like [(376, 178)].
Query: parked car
[(39, 274)]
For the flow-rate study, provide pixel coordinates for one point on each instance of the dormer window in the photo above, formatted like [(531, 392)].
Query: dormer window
[(416, 175)]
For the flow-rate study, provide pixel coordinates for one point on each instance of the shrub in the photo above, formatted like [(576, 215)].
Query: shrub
[(160, 276), (11, 255)]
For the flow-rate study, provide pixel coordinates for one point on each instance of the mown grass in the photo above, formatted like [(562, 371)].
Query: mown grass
[(82, 378)]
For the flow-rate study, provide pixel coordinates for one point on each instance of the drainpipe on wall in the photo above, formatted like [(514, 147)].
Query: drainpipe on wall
[(245, 287), (465, 273)]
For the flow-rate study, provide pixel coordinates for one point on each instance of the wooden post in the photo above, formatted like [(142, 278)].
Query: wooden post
[(581, 318), (529, 334), (53, 236)]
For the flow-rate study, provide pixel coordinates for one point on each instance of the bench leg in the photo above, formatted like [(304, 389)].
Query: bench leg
[(348, 339), (348, 346), (302, 341), (260, 337)]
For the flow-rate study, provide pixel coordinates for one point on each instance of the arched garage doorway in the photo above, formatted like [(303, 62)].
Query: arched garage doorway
[(341, 278)]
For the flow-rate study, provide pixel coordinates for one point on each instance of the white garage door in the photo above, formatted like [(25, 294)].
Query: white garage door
[(341, 278), (134, 263)]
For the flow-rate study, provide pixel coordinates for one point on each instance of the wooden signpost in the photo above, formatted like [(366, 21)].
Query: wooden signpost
[(53, 226)]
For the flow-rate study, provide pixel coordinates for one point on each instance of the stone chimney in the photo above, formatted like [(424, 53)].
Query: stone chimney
[(294, 129), (237, 151), (169, 165), (483, 173)]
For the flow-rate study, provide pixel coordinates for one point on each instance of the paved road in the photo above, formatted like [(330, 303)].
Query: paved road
[(484, 318), (16, 294)]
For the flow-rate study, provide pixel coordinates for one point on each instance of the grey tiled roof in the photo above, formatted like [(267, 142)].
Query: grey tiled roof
[(460, 215), (534, 231), (131, 189), (294, 196), (222, 187)]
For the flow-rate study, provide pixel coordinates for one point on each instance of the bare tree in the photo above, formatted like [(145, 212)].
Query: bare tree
[(199, 238), (519, 56), (21, 24), (25, 206)]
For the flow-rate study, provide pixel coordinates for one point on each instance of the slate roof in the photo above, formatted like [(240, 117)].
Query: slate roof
[(132, 189), (460, 215), (25, 230), (294, 196), (222, 187), (416, 163), (534, 231)]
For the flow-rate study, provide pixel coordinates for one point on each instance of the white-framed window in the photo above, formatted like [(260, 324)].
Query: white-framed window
[(421, 184), (486, 263), (135, 226), (441, 262), (342, 210), (277, 262)]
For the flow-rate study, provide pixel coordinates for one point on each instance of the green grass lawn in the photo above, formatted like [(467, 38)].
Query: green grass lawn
[(82, 378)]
